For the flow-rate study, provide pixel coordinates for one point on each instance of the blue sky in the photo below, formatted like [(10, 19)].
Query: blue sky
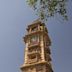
[(15, 15)]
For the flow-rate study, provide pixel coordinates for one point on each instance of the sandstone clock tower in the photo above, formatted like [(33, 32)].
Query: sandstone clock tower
[(37, 52)]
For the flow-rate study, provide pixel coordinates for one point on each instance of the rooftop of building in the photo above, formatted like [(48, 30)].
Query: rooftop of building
[(35, 23)]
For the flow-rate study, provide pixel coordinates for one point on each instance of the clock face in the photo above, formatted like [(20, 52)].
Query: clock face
[(34, 39)]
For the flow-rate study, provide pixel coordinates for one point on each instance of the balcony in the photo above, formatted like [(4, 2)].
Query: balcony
[(32, 59), (33, 52), (34, 44)]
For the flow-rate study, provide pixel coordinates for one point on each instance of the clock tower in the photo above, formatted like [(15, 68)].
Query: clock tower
[(37, 52)]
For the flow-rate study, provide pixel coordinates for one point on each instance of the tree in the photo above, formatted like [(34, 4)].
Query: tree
[(49, 8)]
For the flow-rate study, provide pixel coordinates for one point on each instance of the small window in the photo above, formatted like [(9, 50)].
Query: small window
[(32, 49), (41, 27), (33, 57), (35, 28)]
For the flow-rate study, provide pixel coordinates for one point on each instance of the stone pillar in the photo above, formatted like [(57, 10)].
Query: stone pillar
[(42, 48), (26, 50)]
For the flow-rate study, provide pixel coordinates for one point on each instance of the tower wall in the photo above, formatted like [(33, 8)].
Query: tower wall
[(37, 52)]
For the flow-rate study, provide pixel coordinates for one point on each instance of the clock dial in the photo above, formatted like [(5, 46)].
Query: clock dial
[(34, 39)]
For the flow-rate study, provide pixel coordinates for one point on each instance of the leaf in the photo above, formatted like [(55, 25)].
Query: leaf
[(48, 8)]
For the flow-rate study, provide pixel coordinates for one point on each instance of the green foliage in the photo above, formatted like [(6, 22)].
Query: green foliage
[(48, 8)]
